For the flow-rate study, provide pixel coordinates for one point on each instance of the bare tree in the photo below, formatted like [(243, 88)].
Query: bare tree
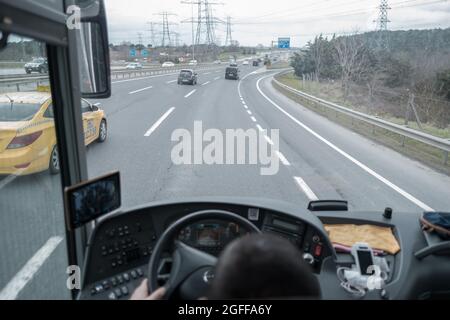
[(425, 66), (350, 55), (316, 51)]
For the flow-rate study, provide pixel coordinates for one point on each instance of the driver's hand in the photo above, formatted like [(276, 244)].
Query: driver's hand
[(141, 292)]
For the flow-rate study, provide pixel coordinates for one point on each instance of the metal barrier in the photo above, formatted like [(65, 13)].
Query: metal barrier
[(25, 79)]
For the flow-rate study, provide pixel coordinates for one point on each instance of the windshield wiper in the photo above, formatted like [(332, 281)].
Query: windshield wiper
[(10, 100)]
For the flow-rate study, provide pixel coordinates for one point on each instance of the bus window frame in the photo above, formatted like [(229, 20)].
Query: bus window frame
[(66, 96)]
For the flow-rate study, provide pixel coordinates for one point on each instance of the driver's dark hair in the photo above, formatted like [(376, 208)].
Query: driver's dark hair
[(261, 266)]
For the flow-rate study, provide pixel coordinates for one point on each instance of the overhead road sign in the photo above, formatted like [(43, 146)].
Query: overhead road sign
[(284, 43)]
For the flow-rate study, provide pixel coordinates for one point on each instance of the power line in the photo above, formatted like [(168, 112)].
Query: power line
[(206, 22), (139, 39), (397, 5), (165, 27), (152, 33), (382, 21), (192, 3), (229, 38)]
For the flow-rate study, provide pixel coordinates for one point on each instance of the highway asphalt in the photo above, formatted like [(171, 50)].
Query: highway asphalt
[(318, 160)]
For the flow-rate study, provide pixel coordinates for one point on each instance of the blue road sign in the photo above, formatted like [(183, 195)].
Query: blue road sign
[(132, 52), (144, 53), (284, 43)]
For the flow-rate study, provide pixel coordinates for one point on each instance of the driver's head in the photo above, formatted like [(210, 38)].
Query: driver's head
[(261, 267)]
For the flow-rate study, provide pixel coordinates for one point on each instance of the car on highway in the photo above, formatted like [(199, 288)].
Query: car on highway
[(193, 63), (188, 76), (255, 63), (217, 62), (245, 63), (37, 65), (168, 64), (134, 66), (232, 73), (27, 132)]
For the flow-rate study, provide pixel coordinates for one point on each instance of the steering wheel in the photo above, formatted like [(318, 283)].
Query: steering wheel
[(191, 268)]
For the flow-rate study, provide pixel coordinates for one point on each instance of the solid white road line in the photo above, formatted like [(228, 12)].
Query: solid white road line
[(206, 73), (346, 155), (207, 82), (158, 123), (11, 178), (259, 128), (26, 274), (216, 78), (282, 158), (253, 119), (306, 189), (140, 90), (171, 81), (190, 93)]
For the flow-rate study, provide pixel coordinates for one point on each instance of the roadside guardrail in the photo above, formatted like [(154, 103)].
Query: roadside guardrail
[(405, 132)]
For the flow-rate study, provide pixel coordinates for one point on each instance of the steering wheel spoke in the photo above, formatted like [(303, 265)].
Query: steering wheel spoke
[(192, 269), (186, 260)]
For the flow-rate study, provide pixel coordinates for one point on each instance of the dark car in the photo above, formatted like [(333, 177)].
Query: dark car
[(37, 65), (256, 63), (232, 73), (187, 76)]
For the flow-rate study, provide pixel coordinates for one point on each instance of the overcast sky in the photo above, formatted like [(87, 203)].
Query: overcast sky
[(261, 21)]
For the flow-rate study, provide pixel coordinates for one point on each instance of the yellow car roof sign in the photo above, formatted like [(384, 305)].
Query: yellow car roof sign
[(42, 88)]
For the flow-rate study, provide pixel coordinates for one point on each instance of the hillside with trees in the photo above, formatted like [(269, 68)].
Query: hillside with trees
[(401, 74)]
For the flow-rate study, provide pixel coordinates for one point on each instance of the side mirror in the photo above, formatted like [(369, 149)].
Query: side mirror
[(93, 50)]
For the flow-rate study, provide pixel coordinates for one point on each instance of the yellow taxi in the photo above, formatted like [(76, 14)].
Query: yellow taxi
[(27, 132)]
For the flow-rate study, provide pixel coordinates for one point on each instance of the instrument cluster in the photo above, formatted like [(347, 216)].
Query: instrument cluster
[(211, 236)]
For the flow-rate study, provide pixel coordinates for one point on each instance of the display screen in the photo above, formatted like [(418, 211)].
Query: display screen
[(93, 199), (286, 225), (208, 236), (365, 261)]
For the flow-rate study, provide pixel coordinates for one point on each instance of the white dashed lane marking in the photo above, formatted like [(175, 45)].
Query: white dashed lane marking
[(306, 189), (158, 123)]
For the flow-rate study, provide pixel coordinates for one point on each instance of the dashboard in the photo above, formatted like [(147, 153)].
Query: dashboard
[(121, 244)]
